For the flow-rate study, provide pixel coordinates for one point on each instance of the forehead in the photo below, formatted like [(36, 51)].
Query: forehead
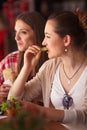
[(19, 24), (50, 26)]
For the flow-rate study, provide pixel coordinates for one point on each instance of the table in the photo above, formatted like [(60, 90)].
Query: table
[(54, 126), (48, 126)]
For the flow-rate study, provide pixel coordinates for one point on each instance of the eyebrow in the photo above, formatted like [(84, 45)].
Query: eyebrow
[(23, 29), (48, 33)]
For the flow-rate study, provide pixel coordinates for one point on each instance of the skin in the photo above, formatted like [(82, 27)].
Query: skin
[(53, 42), (25, 37)]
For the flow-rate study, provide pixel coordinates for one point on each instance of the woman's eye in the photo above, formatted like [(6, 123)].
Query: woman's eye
[(24, 32), (47, 36)]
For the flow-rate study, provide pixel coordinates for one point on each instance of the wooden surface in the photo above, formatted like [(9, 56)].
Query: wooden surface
[(54, 126), (48, 125)]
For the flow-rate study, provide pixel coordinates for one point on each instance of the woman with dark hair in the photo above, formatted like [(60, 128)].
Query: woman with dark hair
[(29, 30)]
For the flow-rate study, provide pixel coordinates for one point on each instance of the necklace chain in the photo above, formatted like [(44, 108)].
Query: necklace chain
[(69, 78)]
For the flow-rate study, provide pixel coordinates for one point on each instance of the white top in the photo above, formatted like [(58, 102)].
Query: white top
[(78, 90)]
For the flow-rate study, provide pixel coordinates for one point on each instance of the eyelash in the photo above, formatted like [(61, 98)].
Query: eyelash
[(23, 32), (47, 36)]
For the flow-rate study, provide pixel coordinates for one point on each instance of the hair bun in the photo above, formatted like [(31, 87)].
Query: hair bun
[(82, 16)]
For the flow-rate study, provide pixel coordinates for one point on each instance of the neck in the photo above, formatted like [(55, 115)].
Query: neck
[(71, 74), (72, 60)]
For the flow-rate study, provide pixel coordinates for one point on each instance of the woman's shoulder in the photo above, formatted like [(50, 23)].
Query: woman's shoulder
[(14, 53), (10, 56), (51, 63)]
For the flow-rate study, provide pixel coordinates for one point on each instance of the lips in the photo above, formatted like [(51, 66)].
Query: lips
[(19, 43)]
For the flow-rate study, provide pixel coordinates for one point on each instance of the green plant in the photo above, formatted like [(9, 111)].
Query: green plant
[(17, 120), (23, 121), (12, 105)]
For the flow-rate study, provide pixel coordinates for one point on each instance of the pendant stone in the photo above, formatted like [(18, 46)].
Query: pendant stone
[(69, 82)]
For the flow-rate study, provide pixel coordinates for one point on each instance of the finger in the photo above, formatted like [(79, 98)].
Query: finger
[(6, 89), (34, 49), (3, 95), (5, 86)]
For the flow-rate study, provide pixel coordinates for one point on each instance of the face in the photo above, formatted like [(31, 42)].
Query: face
[(24, 35), (53, 42)]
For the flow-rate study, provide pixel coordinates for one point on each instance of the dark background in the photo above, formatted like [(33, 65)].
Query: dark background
[(44, 7)]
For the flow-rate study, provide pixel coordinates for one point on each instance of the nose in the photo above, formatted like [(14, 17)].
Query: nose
[(43, 42), (17, 36)]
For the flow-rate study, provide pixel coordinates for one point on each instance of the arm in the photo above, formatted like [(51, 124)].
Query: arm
[(31, 57), (3, 88), (49, 114), (6, 75), (56, 115)]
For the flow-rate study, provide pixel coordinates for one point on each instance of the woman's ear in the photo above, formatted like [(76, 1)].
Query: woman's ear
[(67, 40)]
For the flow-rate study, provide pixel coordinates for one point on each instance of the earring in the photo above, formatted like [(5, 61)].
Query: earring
[(66, 50)]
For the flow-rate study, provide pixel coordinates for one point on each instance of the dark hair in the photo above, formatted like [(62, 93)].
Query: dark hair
[(37, 23), (71, 23)]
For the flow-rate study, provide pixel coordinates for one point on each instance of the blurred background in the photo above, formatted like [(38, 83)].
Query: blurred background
[(9, 9)]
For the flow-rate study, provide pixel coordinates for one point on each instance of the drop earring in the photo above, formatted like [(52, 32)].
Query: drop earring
[(66, 50)]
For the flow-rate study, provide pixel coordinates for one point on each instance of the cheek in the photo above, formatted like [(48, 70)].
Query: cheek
[(57, 49), (28, 42), (31, 40)]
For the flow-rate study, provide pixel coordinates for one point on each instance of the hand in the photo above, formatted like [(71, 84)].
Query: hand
[(29, 107), (31, 56), (4, 89)]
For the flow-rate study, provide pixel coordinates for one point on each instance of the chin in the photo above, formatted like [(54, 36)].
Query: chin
[(20, 49), (50, 57)]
